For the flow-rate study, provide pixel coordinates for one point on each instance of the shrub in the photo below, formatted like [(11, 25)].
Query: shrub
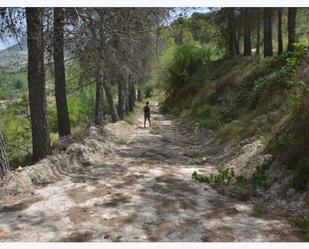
[(224, 176)]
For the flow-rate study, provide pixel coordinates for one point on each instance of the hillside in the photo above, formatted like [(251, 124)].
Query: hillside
[(14, 57), (254, 118)]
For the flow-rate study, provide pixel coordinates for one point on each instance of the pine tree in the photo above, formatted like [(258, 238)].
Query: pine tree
[(36, 84), (60, 89)]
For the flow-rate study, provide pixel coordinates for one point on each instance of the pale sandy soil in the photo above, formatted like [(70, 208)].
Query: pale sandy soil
[(141, 191)]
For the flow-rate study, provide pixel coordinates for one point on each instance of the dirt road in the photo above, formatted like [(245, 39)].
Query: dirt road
[(142, 191)]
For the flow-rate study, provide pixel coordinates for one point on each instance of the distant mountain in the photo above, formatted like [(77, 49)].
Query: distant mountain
[(22, 45), (15, 56)]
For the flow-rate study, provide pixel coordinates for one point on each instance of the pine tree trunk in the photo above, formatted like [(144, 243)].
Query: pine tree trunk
[(231, 31), (291, 27), (100, 77), (121, 99), (134, 94), (139, 94), (126, 94), (247, 32), (60, 89), (110, 101), (36, 84), (268, 47), (237, 41), (258, 31), (280, 43), (131, 96), (99, 100), (4, 164)]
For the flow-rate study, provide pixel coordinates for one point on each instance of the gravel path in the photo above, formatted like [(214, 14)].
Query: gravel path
[(142, 191)]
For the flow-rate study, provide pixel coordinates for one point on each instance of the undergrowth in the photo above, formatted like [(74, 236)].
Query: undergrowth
[(304, 225), (243, 187)]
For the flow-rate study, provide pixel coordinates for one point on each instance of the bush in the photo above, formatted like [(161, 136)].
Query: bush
[(224, 176), (182, 70), (274, 73)]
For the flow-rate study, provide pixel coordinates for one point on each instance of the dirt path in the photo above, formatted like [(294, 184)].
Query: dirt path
[(143, 191)]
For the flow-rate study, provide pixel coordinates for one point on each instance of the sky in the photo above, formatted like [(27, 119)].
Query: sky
[(187, 12)]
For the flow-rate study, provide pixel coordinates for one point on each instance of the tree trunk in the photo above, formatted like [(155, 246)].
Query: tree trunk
[(121, 99), (99, 100), (258, 31), (291, 27), (280, 43), (139, 94), (60, 89), (237, 41), (100, 77), (110, 101), (268, 46), (131, 95), (4, 164), (36, 84), (134, 94), (231, 31), (247, 32), (126, 94)]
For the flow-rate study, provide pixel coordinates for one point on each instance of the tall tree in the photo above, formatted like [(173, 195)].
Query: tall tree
[(99, 104), (110, 101), (60, 88), (258, 31), (231, 30), (4, 164), (291, 27), (247, 32), (268, 46), (237, 41), (131, 95), (103, 54), (121, 99), (280, 43), (36, 84), (126, 93), (139, 93)]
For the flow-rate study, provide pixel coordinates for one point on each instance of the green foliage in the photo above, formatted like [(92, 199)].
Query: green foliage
[(187, 60), (14, 117), (304, 225), (81, 108), (259, 179), (282, 142), (241, 180), (12, 83), (207, 116), (224, 176), (301, 180), (243, 188), (15, 125), (274, 73)]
